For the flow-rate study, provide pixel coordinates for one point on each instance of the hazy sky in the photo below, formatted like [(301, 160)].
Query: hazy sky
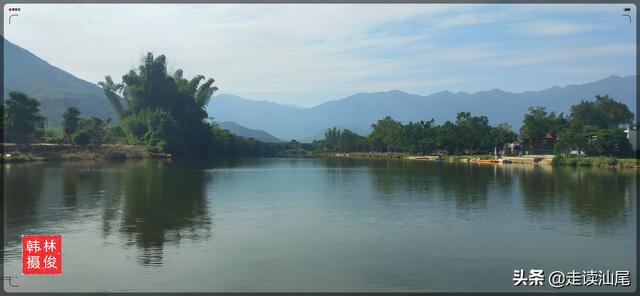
[(305, 54)]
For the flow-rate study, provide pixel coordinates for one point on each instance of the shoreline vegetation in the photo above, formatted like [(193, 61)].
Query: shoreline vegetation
[(14, 153), (29, 152), (164, 115), (553, 160)]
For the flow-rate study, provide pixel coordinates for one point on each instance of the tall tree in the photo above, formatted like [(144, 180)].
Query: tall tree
[(474, 131), (538, 123), (419, 137), (386, 134), (70, 121), (603, 113), (167, 111), (22, 115)]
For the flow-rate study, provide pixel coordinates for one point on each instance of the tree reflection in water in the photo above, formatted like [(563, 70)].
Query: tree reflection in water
[(151, 203), (164, 203), (596, 198), (602, 198)]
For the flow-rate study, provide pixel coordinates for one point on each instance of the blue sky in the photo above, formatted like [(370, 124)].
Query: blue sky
[(307, 54)]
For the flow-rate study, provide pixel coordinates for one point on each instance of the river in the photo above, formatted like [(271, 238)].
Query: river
[(325, 225)]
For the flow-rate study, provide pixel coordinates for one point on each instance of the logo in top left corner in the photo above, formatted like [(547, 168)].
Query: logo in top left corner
[(14, 12)]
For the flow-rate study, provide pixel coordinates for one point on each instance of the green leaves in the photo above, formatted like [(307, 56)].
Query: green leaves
[(22, 117), (386, 135), (161, 110), (538, 123), (111, 91), (467, 135), (342, 140), (70, 121), (603, 112), (591, 127)]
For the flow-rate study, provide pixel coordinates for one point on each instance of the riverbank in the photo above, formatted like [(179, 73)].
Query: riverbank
[(593, 161), (374, 155), (63, 152), (599, 161)]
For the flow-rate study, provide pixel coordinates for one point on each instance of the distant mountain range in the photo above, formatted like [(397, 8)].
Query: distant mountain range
[(247, 132), (359, 111), (57, 90), (53, 87)]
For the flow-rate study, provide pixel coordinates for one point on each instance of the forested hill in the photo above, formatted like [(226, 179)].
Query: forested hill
[(53, 87)]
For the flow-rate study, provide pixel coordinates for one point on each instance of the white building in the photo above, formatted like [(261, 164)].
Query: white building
[(632, 135)]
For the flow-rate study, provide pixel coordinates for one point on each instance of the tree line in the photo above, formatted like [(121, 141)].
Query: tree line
[(21, 115), (591, 127), (162, 110), (167, 112)]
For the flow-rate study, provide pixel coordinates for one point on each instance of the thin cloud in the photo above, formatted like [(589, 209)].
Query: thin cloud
[(556, 55), (553, 28)]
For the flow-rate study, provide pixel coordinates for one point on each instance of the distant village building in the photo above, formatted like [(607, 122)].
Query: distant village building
[(545, 145), (538, 145), (512, 149), (577, 152), (40, 123), (632, 134)]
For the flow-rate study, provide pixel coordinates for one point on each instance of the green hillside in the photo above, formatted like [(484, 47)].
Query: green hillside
[(53, 87)]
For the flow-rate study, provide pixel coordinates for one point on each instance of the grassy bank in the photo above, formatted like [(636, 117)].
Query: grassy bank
[(63, 152), (597, 161)]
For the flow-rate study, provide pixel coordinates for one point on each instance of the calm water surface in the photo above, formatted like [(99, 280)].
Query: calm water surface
[(316, 224)]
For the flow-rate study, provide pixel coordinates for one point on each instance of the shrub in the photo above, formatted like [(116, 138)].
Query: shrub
[(558, 160), (585, 161), (81, 138), (135, 125)]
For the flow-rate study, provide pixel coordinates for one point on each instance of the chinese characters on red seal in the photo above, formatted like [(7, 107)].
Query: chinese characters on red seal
[(41, 254)]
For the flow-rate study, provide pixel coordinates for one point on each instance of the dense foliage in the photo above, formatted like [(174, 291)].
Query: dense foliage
[(538, 123), (70, 121), (226, 143), (167, 112), (592, 127), (22, 114), (468, 134), (601, 113)]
